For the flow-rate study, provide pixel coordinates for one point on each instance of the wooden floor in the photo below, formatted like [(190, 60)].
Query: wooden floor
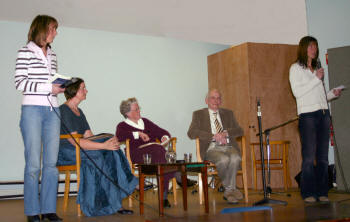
[(296, 210)]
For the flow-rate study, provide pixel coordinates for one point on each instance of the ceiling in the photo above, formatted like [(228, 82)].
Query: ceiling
[(217, 21)]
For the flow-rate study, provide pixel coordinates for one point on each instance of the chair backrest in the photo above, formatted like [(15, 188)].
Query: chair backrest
[(198, 152), (278, 150)]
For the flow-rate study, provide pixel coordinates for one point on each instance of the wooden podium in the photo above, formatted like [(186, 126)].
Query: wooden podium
[(249, 71)]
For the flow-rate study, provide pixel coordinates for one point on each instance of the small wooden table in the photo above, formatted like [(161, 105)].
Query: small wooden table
[(160, 169)]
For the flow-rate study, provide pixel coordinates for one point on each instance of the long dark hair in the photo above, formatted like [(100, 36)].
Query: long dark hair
[(39, 28), (302, 51)]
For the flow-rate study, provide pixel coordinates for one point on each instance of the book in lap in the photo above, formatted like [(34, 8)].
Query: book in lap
[(100, 136), (164, 143)]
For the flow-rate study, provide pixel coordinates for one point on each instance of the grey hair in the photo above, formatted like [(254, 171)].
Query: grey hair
[(125, 106), (212, 90)]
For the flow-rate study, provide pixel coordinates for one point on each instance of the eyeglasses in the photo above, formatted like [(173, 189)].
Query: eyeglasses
[(136, 110)]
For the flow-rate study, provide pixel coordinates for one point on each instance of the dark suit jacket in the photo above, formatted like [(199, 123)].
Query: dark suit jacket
[(200, 128)]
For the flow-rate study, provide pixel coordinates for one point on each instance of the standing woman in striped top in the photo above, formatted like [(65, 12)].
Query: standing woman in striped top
[(40, 126)]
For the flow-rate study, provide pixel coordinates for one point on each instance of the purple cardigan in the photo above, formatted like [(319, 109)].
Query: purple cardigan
[(124, 131)]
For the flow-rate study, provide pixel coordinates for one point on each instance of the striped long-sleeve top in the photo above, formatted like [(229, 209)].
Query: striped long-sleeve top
[(32, 75)]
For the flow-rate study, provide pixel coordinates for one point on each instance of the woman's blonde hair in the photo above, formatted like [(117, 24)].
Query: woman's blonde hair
[(39, 28)]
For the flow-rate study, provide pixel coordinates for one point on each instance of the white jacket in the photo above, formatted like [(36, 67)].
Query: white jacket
[(308, 89)]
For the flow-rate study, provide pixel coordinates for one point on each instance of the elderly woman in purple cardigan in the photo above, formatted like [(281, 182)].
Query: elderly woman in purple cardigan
[(141, 131)]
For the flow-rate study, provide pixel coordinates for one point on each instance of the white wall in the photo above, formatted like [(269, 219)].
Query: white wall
[(229, 22), (169, 78), (329, 22)]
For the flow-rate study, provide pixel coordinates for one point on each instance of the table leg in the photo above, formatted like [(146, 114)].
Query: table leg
[(205, 187), (141, 187), (184, 186), (160, 181)]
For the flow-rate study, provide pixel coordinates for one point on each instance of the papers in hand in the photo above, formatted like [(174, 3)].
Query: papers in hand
[(62, 80), (164, 143), (341, 87)]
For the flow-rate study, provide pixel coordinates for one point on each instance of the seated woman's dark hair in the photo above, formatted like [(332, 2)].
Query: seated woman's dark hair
[(73, 88)]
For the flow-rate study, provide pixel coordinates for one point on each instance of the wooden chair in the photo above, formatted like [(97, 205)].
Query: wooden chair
[(243, 171), (67, 169), (278, 159), (134, 171)]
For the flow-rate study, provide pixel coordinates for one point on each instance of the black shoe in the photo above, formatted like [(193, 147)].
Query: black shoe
[(166, 203), (34, 218), (51, 217), (148, 187), (125, 211), (190, 183), (221, 189)]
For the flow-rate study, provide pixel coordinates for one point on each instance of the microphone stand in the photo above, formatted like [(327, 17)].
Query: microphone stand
[(268, 150), (266, 199)]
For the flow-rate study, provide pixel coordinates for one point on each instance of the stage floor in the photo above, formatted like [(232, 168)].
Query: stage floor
[(296, 210)]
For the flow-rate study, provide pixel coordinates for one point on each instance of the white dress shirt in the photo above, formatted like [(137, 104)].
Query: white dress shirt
[(212, 119)]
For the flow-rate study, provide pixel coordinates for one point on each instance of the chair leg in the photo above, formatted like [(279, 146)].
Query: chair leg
[(285, 179), (174, 190), (78, 205), (200, 188), (66, 190), (255, 178), (79, 210), (130, 201), (245, 186), (289, 182)]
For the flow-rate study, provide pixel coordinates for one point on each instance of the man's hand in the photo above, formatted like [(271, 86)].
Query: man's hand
[(221, 138)]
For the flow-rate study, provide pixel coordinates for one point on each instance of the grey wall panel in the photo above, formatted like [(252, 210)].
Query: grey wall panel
[(339, 74)]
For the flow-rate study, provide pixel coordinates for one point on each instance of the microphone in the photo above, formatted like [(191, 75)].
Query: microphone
[(259, 108), (318, 64)]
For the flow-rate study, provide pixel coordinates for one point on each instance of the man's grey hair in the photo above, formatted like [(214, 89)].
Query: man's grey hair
[(211, 90), (125, 106)]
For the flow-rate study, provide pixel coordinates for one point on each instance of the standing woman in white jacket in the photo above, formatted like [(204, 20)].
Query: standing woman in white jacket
[(40, 127), (306, 80)]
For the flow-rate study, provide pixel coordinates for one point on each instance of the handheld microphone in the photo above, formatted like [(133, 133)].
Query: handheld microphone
[(318, 64), (259, 108)]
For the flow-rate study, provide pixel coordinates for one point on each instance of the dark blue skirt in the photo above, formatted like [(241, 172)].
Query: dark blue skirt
[(97, 195)]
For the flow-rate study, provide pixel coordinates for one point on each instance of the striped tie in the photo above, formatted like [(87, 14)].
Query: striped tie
[(218, 126)]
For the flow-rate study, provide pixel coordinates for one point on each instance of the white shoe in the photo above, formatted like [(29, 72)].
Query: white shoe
[(237, 194), (230, 199), (323, 199), (310, 200)]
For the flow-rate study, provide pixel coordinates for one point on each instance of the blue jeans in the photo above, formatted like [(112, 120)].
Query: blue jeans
[(314, 132), (40, 128)]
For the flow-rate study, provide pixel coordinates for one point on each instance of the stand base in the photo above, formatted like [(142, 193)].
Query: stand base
[(269, 192), (270, 201)]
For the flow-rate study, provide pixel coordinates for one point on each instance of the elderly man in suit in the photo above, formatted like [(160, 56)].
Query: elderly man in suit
[(217, 130)]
